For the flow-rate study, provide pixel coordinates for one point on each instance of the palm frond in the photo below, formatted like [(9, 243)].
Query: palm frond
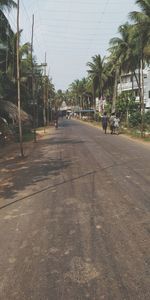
[(7, 4)]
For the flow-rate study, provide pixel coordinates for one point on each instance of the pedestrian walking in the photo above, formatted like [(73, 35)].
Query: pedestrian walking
[(104, 122), (111, 123), (116, 124)]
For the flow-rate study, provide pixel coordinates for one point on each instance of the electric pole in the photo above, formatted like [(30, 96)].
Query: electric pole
[(44, 96), (47, 93), (18, 82), (33, 94), (142, 87)]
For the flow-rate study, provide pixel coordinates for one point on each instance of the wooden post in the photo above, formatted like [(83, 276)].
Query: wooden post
[(142, 98), (33, 94), (44, 96), (18, 82)]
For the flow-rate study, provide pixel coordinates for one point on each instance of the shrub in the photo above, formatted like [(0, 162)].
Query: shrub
[(147, 118), (135, 119)]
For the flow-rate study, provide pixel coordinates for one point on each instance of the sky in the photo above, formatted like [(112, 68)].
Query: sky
[(71, 32)]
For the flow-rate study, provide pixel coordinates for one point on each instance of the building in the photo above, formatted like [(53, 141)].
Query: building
[(127, 84)]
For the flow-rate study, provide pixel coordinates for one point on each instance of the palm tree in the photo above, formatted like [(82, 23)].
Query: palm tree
[(86, 92), (6, 32), (142, 20), (58, 99), (122, 55), (7, 4), (96, 73), (75, 88), (142, 25), (109, 71), (141, 29), (113, 71), (123, 48), (6, 35)]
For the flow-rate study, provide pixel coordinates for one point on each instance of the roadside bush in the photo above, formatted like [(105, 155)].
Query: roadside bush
[(147, 118), (26, 130), (97, 117), (135, 119)]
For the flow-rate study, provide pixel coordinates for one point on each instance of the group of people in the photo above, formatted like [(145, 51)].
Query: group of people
[(113, 122)]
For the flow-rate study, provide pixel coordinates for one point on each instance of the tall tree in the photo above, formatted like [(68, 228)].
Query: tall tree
[(122, 56), (96, 73), (7, 4), (6, 34), (75, 88), (142, 25)]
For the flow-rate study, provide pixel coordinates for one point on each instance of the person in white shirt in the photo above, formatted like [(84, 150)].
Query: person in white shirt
[(116, 124)]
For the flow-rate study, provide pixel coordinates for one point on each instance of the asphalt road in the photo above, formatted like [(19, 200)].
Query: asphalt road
[(75, 219)]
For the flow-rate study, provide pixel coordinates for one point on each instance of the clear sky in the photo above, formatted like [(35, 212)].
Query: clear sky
[(71, 32)]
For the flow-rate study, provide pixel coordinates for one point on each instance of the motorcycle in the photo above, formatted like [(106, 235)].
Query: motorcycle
[(56, 124)]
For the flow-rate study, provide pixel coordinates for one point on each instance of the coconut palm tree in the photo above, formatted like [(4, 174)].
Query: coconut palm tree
[(5, 32), (127, 51), (122, 56), (6, 35), (108, 87), (75, 89), (7, 4), (124, 48), (142, 20), (141, 32), (97, 75), (142, 26), (86, 92), (6, 38)]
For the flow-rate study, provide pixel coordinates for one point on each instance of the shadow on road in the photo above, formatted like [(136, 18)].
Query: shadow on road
[(43, 163)]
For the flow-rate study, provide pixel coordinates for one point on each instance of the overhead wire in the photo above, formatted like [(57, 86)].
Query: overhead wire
[(35, 36), (69, 30)]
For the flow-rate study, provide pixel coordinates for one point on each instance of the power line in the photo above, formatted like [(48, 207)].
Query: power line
[(74, 27), (38, 43)]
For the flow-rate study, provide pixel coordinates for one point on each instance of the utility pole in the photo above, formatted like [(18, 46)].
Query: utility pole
[(44, 96), (33, 95), (47, 93), (48, 104), (18, 82), (142, 98), (142, 106)]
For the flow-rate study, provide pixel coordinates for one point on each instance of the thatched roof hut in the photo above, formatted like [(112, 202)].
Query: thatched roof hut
[(12, 111)]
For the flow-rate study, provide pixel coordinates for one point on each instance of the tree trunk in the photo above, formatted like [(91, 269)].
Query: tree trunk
[(115, 91)]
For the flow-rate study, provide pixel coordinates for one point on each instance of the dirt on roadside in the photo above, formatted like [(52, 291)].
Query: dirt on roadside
[(13, 166)]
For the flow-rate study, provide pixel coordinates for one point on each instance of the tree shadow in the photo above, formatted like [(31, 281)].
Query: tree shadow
[(54, 141), (18, 174)]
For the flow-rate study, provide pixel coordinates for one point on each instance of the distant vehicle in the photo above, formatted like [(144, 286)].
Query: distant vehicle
[(56, 124), (85, 114), (68, 114)]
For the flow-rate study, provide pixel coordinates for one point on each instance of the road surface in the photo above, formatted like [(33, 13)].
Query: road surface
[(75, 219)]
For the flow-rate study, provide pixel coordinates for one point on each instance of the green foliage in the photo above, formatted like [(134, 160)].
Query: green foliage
[(126, 106), (26, 132), (126, 101), (97, 74), (7, 88), (97, 117), (135, 119), (147, 118)]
